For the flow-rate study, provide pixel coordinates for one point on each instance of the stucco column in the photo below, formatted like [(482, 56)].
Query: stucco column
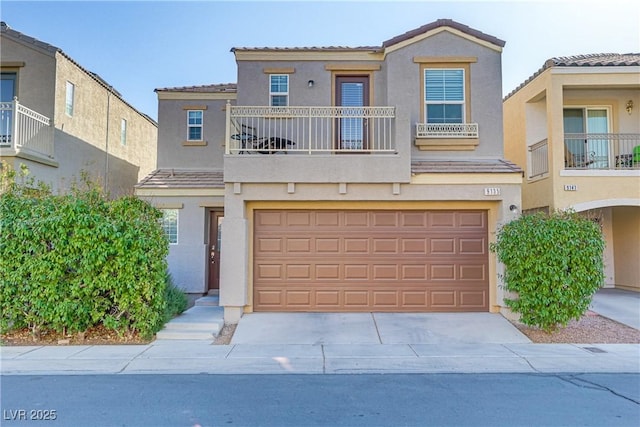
[(234, 265)]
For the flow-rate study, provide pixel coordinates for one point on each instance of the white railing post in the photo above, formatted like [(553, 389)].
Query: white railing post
[(227, 127), (14, 124)]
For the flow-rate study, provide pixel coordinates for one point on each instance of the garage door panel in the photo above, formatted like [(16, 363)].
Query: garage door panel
[(326, 245), (445, 246), (384, 219), (443, 299), (472, 246), (413, 272), (298, 245), (356, 272), (298, 298), (472, 299), (413, 219), (441, 220), (472, 220), (356, 246), (328, 299), (269, 245), (412, 246), (327, 271), (327, 219), (356, 299), (370, 261), (298, 272), (385, 299), (472, 272), (356, 219)]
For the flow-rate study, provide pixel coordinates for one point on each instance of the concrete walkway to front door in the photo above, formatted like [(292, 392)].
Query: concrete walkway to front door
[(376, 328)]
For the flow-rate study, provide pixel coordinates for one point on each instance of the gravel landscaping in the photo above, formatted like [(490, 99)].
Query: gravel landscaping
[(590, 329)]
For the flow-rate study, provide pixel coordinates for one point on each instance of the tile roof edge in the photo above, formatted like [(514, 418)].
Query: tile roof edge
[(560, 61)]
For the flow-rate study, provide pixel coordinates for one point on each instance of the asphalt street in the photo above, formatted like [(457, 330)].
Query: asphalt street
[(322, 400)]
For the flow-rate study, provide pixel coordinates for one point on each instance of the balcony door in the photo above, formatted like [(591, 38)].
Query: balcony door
[(584, 145), (352, 126), (7, 93)]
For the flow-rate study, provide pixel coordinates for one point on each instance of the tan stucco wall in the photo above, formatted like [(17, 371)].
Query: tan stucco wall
[(626, 235), (172, 130), (36, 75), (96, 121)]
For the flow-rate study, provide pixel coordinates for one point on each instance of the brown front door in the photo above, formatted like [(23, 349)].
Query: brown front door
[(215, 238), (352, 129)]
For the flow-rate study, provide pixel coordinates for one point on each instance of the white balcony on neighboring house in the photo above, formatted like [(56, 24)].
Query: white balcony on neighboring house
[(310, 130), (24, 132), (587, 153), (601, 151)]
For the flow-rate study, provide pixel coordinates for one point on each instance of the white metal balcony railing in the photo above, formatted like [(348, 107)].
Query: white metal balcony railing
[(602, 150), (22, 129), (589, 151), (538, 158), (310, 130), (446, 130)]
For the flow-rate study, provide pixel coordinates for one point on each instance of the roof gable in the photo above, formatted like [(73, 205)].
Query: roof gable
[(440, 25), (394, 43)]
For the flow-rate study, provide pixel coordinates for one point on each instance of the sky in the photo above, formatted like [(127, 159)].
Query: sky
[(139, 46)]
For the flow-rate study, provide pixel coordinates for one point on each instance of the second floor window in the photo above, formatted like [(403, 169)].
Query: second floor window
[(194, 125), (278, 90), (123, 132), (444, 95), (69, 101)]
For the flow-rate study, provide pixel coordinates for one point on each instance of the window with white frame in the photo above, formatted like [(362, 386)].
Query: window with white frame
[(278, 90), (69, 99), (170, 225), (194, 125), (444, 95), (123, 132)]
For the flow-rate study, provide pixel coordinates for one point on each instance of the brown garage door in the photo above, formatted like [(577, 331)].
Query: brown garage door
[(348, 260)]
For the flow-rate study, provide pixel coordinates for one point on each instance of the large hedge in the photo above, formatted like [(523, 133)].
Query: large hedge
[(72, 261), (553, 264)]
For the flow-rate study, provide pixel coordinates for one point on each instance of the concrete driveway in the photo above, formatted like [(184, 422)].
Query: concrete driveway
[(619, 305), (376, 328)]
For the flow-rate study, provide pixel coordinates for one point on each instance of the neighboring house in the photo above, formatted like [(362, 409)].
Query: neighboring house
[(574, 127), (349, 179), (59, 119)]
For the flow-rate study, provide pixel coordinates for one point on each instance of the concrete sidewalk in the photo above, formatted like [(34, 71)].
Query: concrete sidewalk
[(198, 356), (336, 343)]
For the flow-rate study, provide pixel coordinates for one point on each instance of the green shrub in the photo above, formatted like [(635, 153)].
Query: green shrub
[(553, 264), (69, 262), (176, 299)]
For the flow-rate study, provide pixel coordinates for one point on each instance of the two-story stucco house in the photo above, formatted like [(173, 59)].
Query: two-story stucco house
[(574, 127), (341, 179), (61, 120)]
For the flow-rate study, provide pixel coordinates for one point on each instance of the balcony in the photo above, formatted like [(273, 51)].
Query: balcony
[(446, 130), (310, 130), (539, 159), (23, 130), (601, 151)]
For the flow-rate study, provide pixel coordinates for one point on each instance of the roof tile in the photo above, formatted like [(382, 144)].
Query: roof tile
[(173, 178)]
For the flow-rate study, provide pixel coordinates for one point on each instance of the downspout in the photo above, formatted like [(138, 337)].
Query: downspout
[(106, 146)]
